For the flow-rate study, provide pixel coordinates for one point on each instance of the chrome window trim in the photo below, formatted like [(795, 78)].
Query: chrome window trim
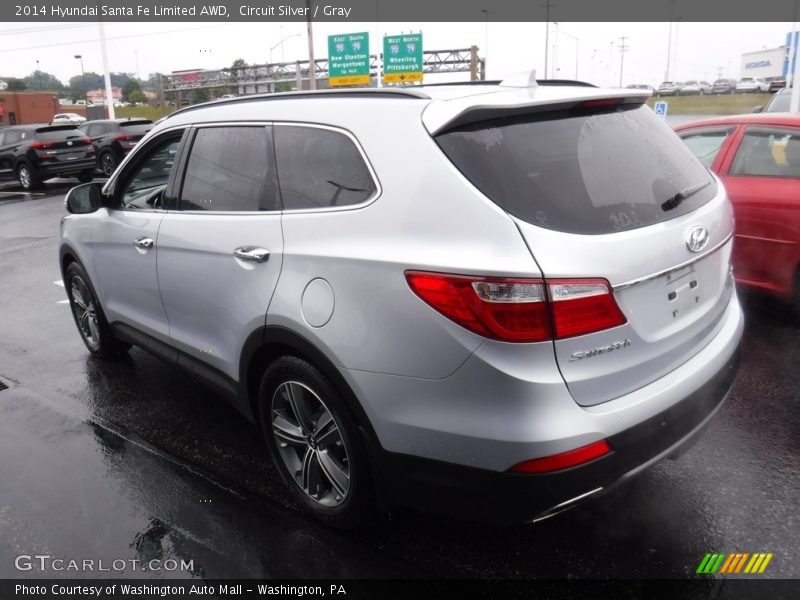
[(682, 265), (376, 182), (291, 211)]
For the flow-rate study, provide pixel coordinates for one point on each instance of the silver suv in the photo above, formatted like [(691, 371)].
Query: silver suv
[(488, 300)]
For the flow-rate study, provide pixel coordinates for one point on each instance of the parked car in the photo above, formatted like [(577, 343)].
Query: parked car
[(669, 88), (34, 153), (776, 84), (67, 118), (779, 102), (757, 157), (641, 86), (522, 301), (751, 85), (723, 86), (113, 139), (695, 88)]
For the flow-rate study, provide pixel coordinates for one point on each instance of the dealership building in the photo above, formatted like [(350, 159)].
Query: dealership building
[(775, 63)]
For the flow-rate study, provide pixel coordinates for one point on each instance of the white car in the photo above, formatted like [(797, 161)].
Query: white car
[(72, 118), (747, 85)]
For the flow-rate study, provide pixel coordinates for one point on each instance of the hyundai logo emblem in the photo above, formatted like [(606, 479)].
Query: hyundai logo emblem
[(697, 239)]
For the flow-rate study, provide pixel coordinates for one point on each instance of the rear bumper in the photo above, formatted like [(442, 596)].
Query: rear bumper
[(503, 497), (73, 167)]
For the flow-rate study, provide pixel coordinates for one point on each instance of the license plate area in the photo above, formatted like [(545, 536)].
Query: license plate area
[(684, 293)]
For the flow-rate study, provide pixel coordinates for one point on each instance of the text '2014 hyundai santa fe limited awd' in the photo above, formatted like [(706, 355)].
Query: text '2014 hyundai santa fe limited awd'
[(487, 300)]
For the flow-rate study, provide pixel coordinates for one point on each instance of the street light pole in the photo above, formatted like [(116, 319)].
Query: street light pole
[(281, 44), (312, 64), (38, 77), (577, 50), (83, 76)]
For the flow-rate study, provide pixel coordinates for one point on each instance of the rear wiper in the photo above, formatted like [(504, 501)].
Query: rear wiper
[(685, 193)]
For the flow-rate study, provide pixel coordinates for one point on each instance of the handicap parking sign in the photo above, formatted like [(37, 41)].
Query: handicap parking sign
[(661, 109)]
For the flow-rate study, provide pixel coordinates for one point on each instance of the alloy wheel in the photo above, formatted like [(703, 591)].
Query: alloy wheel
[(25, 177), (85, 310), (108, 164), (310, 443)]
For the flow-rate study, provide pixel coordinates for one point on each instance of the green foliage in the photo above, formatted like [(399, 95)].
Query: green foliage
[(136, 96), (39, 80), (129, 88), (15, 85), (200, 95)]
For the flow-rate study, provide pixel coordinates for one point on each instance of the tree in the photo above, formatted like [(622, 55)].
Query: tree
[(137, 97), (15, 85), (39, 80), (94, 81), (238, 63), (130, 87), (200, 95)]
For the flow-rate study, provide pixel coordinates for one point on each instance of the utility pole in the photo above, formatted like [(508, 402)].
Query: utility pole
[(547, 6), (622, 50), (312, 64), (719, 72)]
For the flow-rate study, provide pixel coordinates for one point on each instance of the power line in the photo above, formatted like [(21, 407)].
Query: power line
[(117, 37)]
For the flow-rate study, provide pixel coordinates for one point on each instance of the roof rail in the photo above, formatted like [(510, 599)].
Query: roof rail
[(310, 94)]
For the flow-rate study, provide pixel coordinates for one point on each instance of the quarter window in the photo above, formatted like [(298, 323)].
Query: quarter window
[(230, 169), (706, 144), (320, 168), (768, 153)]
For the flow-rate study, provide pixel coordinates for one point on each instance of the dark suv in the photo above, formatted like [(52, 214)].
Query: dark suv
[(113, 139), (34, 153)]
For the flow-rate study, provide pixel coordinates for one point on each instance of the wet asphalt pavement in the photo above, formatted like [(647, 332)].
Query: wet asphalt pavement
[(132, 459)]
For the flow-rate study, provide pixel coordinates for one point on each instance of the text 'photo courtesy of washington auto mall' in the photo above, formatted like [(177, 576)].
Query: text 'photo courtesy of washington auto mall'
[(361, 299)]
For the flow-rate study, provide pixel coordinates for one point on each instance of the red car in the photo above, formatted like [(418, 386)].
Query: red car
[(757, 156)]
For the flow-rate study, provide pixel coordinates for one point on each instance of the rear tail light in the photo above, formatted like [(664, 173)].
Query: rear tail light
[(582, 306), (42, 145), (123, 138), (563, 460), (520, 310)]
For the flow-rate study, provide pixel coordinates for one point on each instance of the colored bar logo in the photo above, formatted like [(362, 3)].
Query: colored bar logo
[(734, 563)]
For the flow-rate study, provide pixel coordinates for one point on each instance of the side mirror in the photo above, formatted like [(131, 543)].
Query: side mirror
[(84, 199), (758, 109)]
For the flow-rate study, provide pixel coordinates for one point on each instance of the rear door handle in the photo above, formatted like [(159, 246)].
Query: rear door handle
[(145, 243), (252, 253)]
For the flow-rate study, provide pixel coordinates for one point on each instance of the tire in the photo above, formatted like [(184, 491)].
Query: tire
[(86, 176), (88, 314), (108, 163), (315, 444), (27, 177)]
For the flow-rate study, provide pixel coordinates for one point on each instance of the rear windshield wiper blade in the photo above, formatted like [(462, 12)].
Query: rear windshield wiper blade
[(685, 193)]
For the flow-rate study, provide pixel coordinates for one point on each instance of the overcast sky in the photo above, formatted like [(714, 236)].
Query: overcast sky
[(698, 50)]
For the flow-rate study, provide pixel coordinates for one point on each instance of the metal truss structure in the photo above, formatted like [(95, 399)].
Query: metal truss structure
[(254, 79)]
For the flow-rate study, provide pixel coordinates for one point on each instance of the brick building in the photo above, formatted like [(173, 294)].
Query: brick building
[(30, 107)]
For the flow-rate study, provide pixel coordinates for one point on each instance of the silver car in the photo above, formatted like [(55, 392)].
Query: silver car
[(491, 301)]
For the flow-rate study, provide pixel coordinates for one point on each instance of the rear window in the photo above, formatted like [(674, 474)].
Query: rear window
[(132, 127), (58, 134), (588, 173)]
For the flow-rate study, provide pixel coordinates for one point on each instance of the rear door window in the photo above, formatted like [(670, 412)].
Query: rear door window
[(231, 169), (767, 152), (582, 172)]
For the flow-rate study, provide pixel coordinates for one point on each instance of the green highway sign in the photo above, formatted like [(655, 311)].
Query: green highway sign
[(348, 59), (402, 58)]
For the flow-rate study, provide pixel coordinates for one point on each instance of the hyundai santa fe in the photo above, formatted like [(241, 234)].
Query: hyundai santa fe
[(491, 301)]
